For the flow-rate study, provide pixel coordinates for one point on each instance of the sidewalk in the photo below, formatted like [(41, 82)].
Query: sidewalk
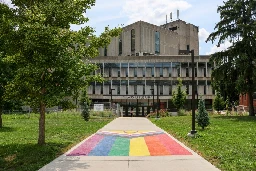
[(130, 144)]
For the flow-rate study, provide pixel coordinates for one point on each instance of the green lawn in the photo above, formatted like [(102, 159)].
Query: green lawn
[(18, 139), (229, 142)]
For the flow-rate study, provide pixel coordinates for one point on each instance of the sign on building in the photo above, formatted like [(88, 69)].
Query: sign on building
[(98, 107)]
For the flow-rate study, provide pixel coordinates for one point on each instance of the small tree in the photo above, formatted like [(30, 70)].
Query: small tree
[(202, 117), (179, 96), (218, 103), (84, 101)]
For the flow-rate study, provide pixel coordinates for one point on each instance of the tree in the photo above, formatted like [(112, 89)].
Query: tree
[(179, 96), (6, 70), (84, 101), (53, 60), (202, 117), (218, 103), (237, 25)]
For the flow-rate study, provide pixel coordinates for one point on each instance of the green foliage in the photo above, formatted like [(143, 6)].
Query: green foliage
[(179, 96), (52, 60), (84, 101), (229, 143), (218, 103), (182, 112), (235, 69), (18, 149), (202, 116)]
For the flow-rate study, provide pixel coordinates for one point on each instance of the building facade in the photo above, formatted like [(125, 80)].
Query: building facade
[(142, 65)]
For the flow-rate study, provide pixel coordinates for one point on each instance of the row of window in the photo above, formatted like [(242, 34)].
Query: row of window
[(162, 69), (135, 90)]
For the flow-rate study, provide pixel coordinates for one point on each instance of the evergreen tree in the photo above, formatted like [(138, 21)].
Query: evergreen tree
[(202, 117), (218, 103), (84, 101), (234, 67), (179, 96)]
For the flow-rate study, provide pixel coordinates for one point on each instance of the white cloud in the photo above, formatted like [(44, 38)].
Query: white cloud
[(203, 34), (153, 11), (222, 47), (7, 2)]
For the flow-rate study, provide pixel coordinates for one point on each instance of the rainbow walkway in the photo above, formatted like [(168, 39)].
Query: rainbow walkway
[(129, 143)]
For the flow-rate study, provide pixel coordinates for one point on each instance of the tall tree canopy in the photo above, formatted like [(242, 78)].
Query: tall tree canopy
[(6, 70), (52, 60), (235, 67)]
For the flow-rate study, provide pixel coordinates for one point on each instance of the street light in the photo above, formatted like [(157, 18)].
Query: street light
[(157, 97), (186, 52), (111, 101)]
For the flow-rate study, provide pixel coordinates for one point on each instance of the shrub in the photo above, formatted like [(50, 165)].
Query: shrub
[(181, 112), (202, 116), (179, 96)]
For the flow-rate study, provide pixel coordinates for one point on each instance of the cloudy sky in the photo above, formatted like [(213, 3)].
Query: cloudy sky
[(113, 13), (202, 13)]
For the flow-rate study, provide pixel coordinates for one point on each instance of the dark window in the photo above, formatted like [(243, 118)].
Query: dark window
[(204, 89), (170, 72), (118, 89), (143, 89), (120, 45), (93, 89), (135, 72), (170, 89), (187, 89), (126, 89), (161, 72), (152, 72), (105, 51), (157, 42), (187, 73), (188, 48), (204, 72), (101, 89), (195, 72), (178, 70), (110, 69), (135, 89), (132, 40), (118, 73), (161, 90)]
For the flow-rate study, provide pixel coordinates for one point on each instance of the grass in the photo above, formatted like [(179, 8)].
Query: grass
[(18, 142), (229, 142)]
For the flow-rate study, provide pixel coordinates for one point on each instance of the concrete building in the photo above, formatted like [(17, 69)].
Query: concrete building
[(144, 63)]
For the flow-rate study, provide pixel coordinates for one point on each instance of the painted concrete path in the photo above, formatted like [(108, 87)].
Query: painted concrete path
[(133, 144)]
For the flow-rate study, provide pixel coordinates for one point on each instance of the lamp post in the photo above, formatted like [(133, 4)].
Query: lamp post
[(193, 131), (157, 95), (157, 98), (186, 52), (111, 100), (153, 92)]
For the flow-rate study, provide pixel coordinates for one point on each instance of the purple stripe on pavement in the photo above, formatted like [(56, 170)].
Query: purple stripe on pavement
[(86, 147)]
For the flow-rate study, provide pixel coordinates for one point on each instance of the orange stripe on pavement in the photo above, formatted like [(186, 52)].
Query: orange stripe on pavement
[(172, 146), (155, 147)]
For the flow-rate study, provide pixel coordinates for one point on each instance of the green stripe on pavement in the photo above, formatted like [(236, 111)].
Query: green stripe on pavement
[(120, 147)]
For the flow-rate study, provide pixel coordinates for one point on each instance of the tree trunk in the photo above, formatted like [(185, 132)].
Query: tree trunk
[(251, 108), (41, 136)]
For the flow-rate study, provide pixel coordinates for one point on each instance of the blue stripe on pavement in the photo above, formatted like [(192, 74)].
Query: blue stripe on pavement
[(104, 147)]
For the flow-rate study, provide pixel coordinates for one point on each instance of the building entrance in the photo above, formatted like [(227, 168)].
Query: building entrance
[(136, 110)]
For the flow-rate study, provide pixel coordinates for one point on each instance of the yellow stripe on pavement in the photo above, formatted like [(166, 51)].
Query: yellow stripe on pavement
[(138, 147)]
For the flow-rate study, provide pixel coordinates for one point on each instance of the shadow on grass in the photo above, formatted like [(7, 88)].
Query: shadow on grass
[(238, 118), (7, 129), (31, 157)]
